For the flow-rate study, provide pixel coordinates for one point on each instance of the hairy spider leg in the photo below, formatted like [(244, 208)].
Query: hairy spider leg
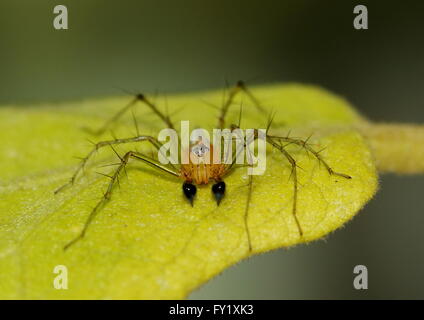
[(114, 178), (272, 140), (229, 168), (246, 212), (138, 98), (293, 164), (240, 86), (293, 174), (304, 144), (102, 144)]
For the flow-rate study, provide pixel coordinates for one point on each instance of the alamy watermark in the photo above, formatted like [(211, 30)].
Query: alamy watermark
[(361, 20), (360, 282), (197, 147), (60, 282), (61, 20)]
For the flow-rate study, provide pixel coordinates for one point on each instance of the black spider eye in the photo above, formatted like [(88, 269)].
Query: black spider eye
[(218, 190), (189, 191)]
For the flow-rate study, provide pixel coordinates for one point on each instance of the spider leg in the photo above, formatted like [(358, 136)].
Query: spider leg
[(102, 144), (293, 164), (304, 144), (138, 98), (293, 174), (249, 198), (228, 169), (246, 212), (114, 179), (240, 86)]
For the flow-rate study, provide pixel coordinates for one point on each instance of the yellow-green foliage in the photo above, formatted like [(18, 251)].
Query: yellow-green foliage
[(148, 242)]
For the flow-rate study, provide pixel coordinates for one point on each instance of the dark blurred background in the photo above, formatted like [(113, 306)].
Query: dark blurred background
[(175, 46)]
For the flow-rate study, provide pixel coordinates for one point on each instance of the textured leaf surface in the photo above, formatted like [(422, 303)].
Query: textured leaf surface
[(148, 242)]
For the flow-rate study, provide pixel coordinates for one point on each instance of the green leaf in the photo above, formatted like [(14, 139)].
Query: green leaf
[(147, 242)]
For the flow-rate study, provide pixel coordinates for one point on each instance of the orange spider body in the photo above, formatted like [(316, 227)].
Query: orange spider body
[(200, 171)]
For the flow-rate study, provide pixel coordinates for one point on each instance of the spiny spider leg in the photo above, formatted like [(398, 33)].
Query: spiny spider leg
[(275, 141), (293, 174), (246, 211), (101, 144), (114, 178), (138, 98), (255, 137), (295, 182), (240, 86), (307, 147), (230, 168), (250, 185)]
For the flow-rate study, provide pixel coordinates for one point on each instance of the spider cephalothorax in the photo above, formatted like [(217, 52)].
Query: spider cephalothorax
[(201, 167)]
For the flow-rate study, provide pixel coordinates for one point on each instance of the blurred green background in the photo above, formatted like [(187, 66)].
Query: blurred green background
[(175, 46)]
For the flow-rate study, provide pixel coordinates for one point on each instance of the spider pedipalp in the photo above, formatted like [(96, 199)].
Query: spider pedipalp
[(189, 191), (218, 190)]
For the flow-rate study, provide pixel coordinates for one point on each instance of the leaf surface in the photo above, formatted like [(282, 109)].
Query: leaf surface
[(147, 242)]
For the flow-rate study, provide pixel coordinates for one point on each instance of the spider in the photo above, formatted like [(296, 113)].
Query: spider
[(194, 173)]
